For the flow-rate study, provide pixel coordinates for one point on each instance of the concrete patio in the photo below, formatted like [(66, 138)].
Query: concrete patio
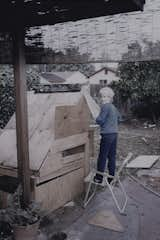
[(141, 220)]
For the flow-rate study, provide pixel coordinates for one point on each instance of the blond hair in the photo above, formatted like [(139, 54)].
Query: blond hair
[(107, 91)]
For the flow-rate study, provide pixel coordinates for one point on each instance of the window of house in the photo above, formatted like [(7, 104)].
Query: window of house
[(103, 82)]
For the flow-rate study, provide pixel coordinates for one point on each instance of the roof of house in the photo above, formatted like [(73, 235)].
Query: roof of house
[(39, 12), (104, 68), (65, 74), (58, 76), (52, 77)]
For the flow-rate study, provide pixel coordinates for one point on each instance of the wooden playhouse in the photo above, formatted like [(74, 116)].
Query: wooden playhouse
[(58, 146)]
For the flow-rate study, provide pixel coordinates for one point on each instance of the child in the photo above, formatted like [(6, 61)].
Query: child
[(108, 120)]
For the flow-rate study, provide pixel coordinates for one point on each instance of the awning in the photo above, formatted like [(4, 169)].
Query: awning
[(48, 12)]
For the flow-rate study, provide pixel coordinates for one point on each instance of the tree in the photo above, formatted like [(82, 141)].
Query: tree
[(7, 75), (70, 56), (140, 82), (7, 97)]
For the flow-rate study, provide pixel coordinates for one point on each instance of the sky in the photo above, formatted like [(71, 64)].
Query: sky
[(106, 38)]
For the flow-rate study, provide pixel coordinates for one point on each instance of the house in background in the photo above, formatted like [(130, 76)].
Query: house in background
[(66, 77), (103, 76)]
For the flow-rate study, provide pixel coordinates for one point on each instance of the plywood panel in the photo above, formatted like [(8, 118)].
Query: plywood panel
[(55, 164), (40, 104), (47, 121), (8, 148), (40, 144), (12, 123), (52, 163), (57, 192), (68, 98), (71, 120), (38, 111), (41, 113), (32, 104)]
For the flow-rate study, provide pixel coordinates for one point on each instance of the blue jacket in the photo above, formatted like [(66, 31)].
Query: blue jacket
[(108, 118)]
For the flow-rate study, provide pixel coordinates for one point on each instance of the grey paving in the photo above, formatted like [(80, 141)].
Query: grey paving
[(141, 221)]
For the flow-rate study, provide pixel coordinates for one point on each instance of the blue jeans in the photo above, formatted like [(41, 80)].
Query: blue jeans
[(107, 150)]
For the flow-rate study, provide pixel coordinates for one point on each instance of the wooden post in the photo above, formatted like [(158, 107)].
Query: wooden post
[(91, 142), (21, 114)]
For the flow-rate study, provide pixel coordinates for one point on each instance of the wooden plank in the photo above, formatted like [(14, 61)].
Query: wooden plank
[(72, 158), (70, 142), (56, 165), (143, 161), (8, 171), (21, 113), (91, 142), (67, 168), (86, 163), (93, 106), (57, 192)]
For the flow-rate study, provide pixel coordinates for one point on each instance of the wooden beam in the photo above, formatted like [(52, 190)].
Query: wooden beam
[(21, 114)]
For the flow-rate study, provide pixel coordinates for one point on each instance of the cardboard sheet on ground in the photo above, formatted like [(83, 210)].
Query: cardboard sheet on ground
[(106, 219), (143, 161)]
